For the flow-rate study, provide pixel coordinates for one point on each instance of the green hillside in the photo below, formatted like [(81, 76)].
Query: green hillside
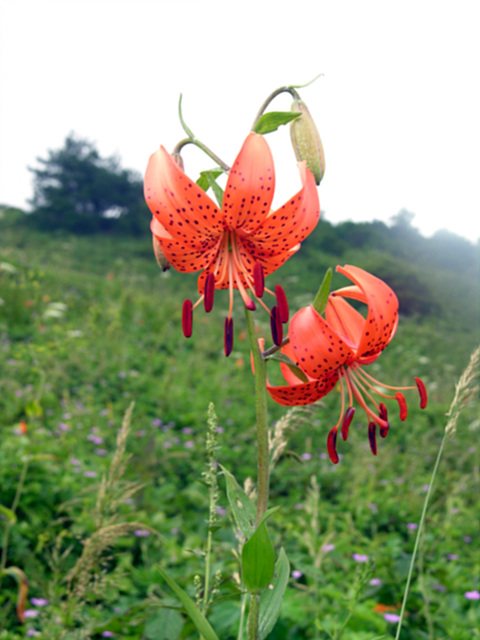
[(89, 324)]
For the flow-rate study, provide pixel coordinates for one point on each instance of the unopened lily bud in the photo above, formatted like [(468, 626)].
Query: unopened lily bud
[(306, 141), (160, 257)]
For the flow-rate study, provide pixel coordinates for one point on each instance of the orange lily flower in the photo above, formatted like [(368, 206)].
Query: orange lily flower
[(337, 348), (236, 246)]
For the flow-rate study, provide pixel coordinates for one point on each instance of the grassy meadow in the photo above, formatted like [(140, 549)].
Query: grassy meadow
[(90, 325)]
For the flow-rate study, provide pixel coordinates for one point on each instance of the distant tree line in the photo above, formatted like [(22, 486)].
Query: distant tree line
[(77, 190)]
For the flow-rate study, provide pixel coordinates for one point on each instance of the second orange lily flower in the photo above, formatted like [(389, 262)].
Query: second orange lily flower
[(337, 348), (236, 246)]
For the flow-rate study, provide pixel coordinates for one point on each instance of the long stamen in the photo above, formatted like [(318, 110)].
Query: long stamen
[(282, 304), (381, 384), (187, 318), (422, 392), (359, 398), (363, 389), (259, 280), (332, 445), (276, 326), (372, 438), (209, 292), (228, 336)]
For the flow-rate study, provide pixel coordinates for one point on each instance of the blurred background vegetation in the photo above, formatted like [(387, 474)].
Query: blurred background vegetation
[(88, 324)]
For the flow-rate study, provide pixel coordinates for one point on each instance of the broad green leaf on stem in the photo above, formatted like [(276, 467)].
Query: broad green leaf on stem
[(271, 599), (280, 357), (258, 561), (270, 121), (321, 298), (8, 513), (194, 613), (208, 179), (244, 511)]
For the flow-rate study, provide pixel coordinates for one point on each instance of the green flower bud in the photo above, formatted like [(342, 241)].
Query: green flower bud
[(306, 141)]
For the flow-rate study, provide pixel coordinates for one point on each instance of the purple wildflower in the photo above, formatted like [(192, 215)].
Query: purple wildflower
[(472, 595), (296, 574), (391, 617), (358, 557), (39, 602)]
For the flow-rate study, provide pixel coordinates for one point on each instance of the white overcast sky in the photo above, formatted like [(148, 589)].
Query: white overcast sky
[(398, 106)]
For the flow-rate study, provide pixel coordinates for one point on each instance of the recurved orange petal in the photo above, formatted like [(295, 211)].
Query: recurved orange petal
[(382, 317), (250, 186), (304, 393), (181, 257), (345, 320), (318, 350), (179, 204), (293, 222)]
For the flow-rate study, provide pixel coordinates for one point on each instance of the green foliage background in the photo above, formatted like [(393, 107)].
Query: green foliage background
[(89, 324)]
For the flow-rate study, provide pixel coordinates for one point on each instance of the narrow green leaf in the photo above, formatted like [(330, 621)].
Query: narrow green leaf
[(203, 182), (271, 599), (242, 507), (207, 180), (194, 613), (8, 513), (270, 121), (280, 357), (321, 298), (258, 561)]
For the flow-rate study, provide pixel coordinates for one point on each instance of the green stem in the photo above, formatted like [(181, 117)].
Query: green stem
[(260, 366), (253, 613), (262, 418), (13, 508), (193, 140), (419, 534), (272, 96)]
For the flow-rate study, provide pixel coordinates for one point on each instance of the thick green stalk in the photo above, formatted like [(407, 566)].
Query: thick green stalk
[(262, 418), (262, 453)]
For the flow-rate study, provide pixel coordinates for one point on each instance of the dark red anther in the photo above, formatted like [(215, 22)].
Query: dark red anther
[(402, 403), (349, 413), (209, 292), (383, 415), (187, 318), (423, 393), (372, 437), (258, 279), (282, 304), (276, 326), (228, 337), (332, 445)]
